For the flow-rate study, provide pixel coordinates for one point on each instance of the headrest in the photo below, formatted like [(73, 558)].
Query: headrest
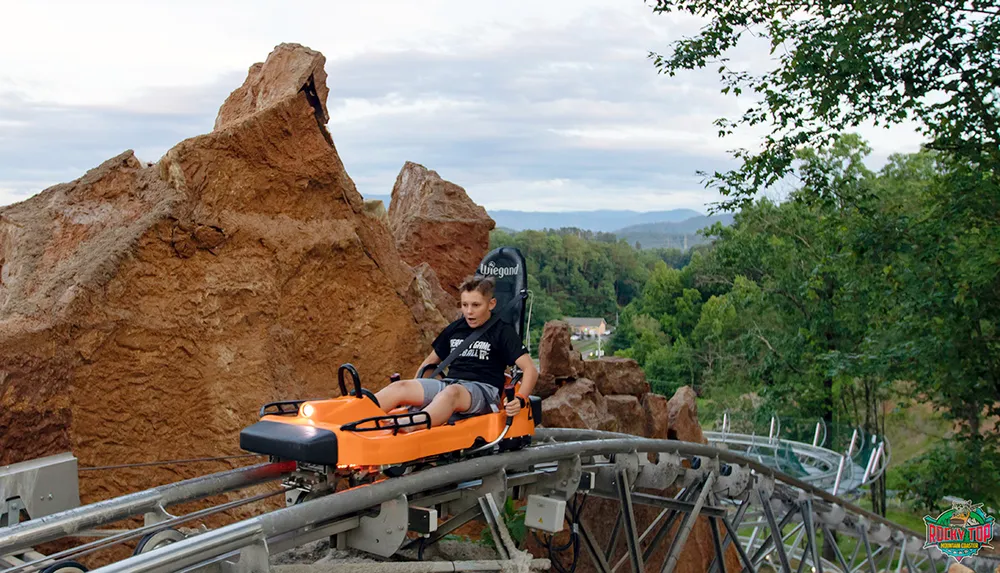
[(506, 265)]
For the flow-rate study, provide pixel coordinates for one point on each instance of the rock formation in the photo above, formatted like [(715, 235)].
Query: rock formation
[(435, 222), (612, 394), (558, 362), (147, 312), (617, 376)]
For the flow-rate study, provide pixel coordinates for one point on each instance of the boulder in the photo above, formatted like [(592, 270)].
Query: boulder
[(289, 69), (682, 417), (430, 304), (577, 405), (628, 414), (616, 375), (546, 385), (556, 356), (655, 416), (147, 312), (434, 221)]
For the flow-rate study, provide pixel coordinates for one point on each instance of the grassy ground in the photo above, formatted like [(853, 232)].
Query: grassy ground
[(912, 430)]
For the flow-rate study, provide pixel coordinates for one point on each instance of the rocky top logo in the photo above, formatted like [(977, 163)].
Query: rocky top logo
[(491, 269), (961, 531)]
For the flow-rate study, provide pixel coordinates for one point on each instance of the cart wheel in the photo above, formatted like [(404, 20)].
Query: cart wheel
[(157, 539), (65, 567), (395, 471), (297, 496)]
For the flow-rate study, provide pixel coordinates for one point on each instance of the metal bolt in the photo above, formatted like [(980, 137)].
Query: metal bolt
[(50, 496), (388, 532)]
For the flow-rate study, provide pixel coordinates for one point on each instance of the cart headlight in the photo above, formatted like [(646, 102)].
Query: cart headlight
[(307, 410)]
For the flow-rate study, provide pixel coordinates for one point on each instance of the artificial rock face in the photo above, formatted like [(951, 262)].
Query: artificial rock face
[(435, 222), (148, 311), (559, 362)]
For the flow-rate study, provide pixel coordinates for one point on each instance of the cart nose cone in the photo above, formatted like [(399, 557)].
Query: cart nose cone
[(291, 442)]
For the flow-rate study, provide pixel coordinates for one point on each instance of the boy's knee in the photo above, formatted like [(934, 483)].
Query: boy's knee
[(454, 394), (406, 389), (407, 385)]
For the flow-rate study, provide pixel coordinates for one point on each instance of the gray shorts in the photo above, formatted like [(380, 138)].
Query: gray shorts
[(485, 397)]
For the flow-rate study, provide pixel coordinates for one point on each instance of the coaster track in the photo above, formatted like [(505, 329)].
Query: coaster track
[(779, 522)]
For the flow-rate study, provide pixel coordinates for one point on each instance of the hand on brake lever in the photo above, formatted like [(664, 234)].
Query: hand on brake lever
[(512, 407)]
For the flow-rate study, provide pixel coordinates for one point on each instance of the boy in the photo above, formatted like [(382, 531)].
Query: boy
[(475, 378)]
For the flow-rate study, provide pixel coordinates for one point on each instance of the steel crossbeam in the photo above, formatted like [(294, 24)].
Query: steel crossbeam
[(673, 555)]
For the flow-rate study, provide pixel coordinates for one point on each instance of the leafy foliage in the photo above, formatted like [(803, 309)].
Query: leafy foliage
[(860, 280), (838, 65), (513, 519), (960, 470), (865, 279), (580, 273)]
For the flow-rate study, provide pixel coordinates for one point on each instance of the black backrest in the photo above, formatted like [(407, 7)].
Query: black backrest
[(506, 265)]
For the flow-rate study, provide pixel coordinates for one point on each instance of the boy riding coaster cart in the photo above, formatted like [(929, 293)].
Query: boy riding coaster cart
[(423, 420)]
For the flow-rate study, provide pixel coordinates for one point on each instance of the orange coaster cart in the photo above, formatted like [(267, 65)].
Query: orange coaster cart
[(351, 435)]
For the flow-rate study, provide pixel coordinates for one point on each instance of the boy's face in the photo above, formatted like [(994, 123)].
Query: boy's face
[(476, 308)]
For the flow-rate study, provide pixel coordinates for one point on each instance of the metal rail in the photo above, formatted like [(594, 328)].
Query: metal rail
[(66, 523), (735, 494), (836, 472)]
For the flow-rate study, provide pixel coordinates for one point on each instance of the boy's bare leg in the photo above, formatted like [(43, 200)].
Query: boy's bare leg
[(453, 398), (402, 393)]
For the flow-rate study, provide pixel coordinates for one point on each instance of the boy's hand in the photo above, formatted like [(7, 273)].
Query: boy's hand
[(512, 406)]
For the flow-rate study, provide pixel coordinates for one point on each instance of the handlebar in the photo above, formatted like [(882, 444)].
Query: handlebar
[(354, 374)]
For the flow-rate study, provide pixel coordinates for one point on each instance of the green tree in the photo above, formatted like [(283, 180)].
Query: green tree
[(837, 65)]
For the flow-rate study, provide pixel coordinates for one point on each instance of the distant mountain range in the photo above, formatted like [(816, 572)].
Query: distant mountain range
[(675, 235), (675, 228), (601, 220)]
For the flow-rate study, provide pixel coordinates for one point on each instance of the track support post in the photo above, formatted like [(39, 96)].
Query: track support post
[(253, 558)]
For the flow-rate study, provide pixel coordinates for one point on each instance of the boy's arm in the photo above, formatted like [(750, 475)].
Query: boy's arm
[(432, 358), (529, 375)]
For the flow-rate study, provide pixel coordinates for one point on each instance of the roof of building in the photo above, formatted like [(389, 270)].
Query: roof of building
[(576, 321)]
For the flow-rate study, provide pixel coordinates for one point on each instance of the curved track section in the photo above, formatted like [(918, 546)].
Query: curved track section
[(779, 522), (835, 472)]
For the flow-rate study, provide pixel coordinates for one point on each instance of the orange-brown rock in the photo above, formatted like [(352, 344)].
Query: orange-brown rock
[(628, 414), (577, 405), (430, 304), (657, 417), (682, 417), (434, 221), (546, 385), (147, 312), (558, 360), (616, 375), (288, 70)]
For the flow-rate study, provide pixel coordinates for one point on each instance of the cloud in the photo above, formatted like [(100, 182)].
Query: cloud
[(546, 106), (45, 144)]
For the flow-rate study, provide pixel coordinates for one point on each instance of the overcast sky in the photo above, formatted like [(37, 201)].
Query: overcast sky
[(547, 105)]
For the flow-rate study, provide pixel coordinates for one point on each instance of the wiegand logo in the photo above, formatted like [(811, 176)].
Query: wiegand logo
[(961, 531), (491, 269)]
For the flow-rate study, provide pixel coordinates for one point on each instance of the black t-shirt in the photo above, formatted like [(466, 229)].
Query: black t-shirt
[(487, 358)]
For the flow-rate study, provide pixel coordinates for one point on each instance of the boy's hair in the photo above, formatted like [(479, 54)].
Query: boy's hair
[(482, 284)]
